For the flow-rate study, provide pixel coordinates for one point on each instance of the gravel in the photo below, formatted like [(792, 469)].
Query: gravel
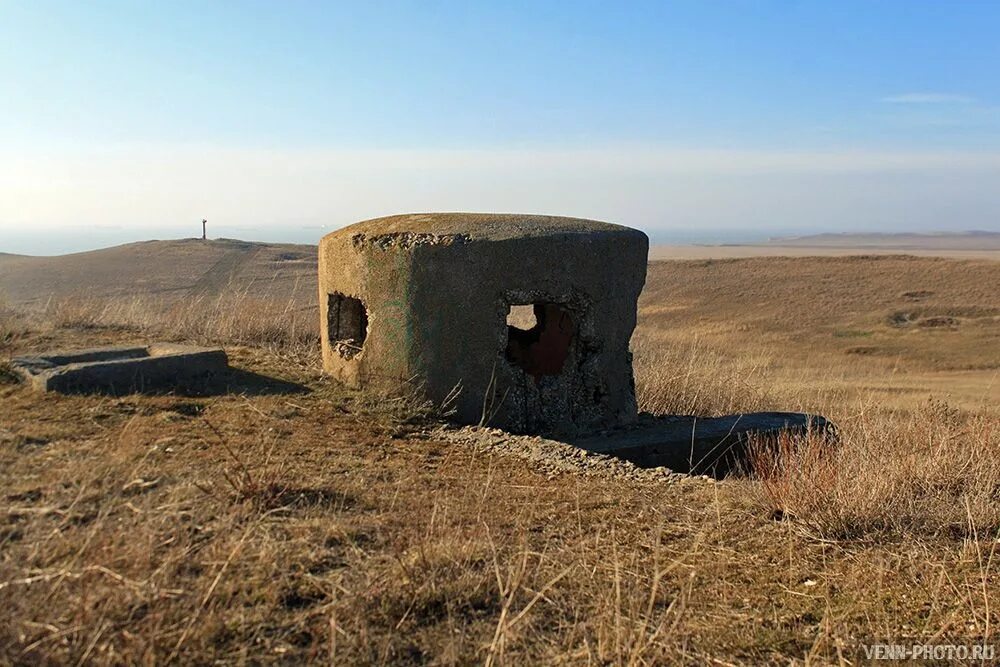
[(553, 458)]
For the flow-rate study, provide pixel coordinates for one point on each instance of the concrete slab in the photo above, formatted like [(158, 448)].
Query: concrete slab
[(121, 370), (700, 445)]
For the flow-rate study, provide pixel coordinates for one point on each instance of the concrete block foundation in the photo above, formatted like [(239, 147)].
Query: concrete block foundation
[(516, 321), (121, 370)]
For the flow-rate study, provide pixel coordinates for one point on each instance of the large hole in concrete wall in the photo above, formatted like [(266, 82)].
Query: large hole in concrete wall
[(347, 324), (539, 337)]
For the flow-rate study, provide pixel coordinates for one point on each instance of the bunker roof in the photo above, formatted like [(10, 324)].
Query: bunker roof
[(481, 226)]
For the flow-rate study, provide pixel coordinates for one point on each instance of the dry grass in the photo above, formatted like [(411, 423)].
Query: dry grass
[(932, 473), (233, 317), (277, 528), (14, 325), (825, 332), (689, 379), (931, 470), (916, 405), (208, 530), (331, 526)]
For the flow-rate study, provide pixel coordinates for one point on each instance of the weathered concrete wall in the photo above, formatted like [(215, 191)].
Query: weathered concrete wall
[(437, 289)]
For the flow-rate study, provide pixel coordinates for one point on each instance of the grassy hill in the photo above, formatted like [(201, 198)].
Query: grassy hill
[(892, 329), (168, 269)]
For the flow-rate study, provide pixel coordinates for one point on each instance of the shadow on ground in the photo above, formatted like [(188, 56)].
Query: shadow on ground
[(238, 381)]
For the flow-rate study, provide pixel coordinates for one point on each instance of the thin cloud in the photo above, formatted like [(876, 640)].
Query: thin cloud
[(928, 98)]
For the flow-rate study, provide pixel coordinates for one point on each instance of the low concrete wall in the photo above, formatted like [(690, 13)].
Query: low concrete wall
[(122, 370)]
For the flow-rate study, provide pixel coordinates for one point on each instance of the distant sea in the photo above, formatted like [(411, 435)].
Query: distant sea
[(63, 241)]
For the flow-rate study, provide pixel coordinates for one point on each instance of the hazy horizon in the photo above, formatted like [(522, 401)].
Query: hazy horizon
[(70, 240), (73, 240)]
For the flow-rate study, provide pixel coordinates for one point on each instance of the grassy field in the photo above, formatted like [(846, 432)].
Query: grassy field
[(826, 332), (292, 521)]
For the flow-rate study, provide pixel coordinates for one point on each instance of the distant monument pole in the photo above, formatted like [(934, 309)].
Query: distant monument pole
[(203, 223)]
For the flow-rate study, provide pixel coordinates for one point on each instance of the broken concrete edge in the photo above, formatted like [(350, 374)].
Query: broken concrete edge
[(450, 228), (120, 369)]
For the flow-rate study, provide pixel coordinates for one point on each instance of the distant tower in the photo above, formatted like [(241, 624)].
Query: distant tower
[(203, 223)]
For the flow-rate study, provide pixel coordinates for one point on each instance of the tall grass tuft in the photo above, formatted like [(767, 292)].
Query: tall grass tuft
[(690, 379), (936, 471)]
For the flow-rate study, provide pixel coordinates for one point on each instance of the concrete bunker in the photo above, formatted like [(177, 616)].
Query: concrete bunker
[(523, 322), (519, 322)]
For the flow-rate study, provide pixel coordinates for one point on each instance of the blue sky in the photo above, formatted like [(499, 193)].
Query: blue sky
[(278, 117)]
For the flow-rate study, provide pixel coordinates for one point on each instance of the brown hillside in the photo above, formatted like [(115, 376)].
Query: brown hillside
[(163, 268), (902, 241)]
